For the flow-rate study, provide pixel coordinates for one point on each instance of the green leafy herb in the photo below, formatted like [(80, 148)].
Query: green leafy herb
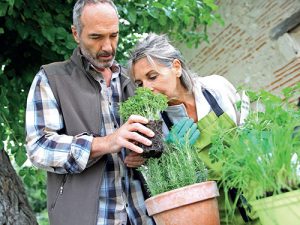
[(144, 103)]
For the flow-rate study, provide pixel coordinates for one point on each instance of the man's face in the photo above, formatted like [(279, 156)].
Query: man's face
[(100, 33)]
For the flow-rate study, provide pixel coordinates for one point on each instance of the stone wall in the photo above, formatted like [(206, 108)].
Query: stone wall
[(242, 50)]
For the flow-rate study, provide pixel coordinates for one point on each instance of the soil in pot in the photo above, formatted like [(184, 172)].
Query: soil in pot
[(155, 150)]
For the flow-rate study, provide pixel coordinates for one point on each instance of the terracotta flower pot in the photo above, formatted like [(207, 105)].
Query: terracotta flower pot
[(191, 205)]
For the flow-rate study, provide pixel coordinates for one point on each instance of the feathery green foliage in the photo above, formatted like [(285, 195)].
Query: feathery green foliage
[(179, 166), (145, 103), (263, 156)]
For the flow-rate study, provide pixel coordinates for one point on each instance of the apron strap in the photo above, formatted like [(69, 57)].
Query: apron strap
[(167, 120), (212, 102)]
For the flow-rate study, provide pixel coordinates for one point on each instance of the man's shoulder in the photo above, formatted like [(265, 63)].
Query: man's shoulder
[(124, 75), (124, 71), (127, 84), (56, 67), (61, 66)]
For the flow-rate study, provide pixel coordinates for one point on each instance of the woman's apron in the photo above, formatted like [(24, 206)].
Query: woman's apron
[(208, 126)]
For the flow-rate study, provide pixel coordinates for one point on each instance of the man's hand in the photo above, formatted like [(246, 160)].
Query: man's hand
[(183, 131), (125, 136), (134, 160)]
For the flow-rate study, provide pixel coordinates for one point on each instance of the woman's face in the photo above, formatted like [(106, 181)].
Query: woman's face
[(158, 78)]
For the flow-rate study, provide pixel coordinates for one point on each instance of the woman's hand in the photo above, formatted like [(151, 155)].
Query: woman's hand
[(184, 131)]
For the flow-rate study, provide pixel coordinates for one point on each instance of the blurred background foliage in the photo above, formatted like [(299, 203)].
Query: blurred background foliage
[(33, 33)]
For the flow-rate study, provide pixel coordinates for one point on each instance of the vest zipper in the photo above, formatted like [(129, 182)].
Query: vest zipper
[(97, 86), (60, 191)]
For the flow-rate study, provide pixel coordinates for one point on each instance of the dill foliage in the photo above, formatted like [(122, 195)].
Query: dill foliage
[(262, 158)]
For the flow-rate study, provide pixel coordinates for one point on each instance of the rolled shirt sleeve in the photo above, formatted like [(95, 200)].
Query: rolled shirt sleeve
[(46, 148)]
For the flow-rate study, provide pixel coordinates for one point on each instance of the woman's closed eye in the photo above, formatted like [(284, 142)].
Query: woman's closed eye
[(152, 77)]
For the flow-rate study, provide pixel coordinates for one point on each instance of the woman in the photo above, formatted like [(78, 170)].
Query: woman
[(196, 104)]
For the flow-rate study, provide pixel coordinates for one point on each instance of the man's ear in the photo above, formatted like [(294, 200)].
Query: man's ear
[(176, 67), (75, 34)]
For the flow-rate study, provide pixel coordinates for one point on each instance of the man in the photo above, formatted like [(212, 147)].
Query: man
[(74, 132)]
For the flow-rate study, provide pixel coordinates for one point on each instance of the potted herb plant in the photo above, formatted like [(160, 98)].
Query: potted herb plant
[(149, 105), (262, 159), (179, 190)]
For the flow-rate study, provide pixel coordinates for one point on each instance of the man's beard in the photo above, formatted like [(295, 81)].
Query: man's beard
[(94, 61)]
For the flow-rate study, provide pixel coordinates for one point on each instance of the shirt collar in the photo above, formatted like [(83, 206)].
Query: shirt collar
[(115, 69)]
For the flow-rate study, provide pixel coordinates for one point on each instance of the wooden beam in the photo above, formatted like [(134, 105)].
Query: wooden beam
[(285, 26)]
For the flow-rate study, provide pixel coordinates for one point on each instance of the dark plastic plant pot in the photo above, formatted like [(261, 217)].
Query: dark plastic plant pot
[(156, 149)]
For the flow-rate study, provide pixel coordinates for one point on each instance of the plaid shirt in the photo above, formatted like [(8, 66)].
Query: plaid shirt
[(120, 195)]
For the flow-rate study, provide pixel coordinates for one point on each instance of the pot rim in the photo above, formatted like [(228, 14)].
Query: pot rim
[(182, 196), (277, 200)]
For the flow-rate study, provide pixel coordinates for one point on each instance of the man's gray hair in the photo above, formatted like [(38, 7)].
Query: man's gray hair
[(158, 47), (78, 7)]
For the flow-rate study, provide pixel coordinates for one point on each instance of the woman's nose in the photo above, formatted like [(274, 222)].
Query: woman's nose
[(148, 85)]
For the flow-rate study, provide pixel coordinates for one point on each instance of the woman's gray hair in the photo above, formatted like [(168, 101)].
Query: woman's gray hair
[(78, 7), (158, 47)]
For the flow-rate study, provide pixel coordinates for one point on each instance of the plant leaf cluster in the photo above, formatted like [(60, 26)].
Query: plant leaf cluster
[(145, 103), (262, 158), (179, 166)]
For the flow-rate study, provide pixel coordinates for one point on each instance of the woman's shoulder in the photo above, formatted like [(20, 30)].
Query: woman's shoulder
[(213, 82)]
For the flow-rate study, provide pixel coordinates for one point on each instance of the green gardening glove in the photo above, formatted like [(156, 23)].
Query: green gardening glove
[(183, 131)]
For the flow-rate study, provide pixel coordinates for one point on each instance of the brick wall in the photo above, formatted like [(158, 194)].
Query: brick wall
[(287, 75), (242, 50)]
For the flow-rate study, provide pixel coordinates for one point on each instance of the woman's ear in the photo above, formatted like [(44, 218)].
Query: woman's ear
[(75, 34), (176, 67)]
